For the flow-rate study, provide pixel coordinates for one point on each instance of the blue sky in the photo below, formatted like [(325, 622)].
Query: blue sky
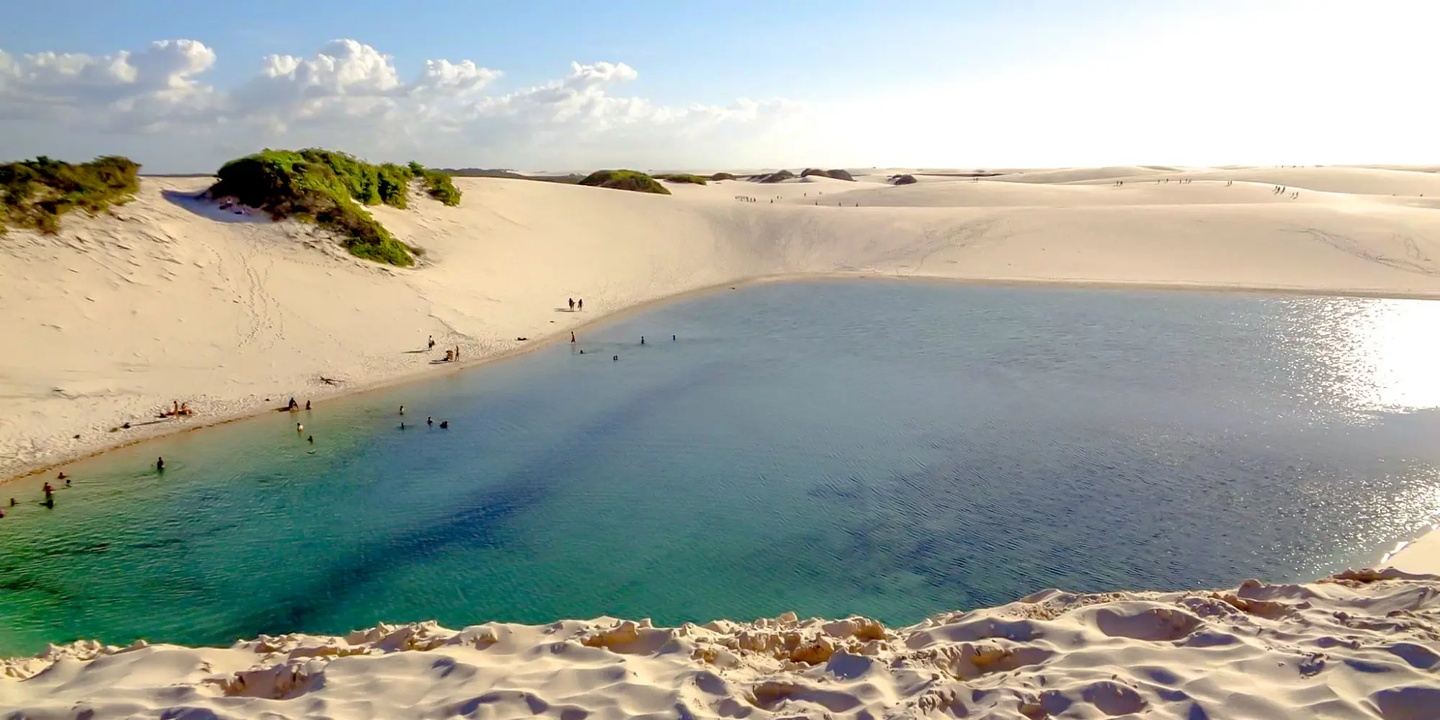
[(708, 84)]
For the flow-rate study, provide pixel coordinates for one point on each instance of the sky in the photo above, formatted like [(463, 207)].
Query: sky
[(701, 84)]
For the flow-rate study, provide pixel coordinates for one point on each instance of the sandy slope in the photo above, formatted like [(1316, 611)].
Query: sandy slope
[(172, 300), (1359, 645)]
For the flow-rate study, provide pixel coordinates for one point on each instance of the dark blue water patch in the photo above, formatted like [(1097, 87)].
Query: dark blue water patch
[(885, 448)]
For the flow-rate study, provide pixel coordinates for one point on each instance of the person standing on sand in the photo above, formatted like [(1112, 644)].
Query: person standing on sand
[(580, 304), (572, 337), (572, 304), (430, 343)]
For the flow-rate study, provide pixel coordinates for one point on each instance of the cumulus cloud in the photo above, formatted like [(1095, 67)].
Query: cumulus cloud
[(124, 90), (351, 95)]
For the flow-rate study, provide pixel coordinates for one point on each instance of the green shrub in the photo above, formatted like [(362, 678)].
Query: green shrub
[(722, 176), (624, 180), (437, 184), (683, 178), (35, 193), (324, 187)]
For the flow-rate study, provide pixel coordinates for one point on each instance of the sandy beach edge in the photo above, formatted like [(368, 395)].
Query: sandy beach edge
[(103, 445)]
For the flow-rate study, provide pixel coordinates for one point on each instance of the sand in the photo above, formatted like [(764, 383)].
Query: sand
[(1359, 645), (169, 298)]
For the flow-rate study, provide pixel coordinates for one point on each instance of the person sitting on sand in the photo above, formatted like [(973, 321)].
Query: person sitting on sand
[(292, 405), (449, 356), (185, 409)]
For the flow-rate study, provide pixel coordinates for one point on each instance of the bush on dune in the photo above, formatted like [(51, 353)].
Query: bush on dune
[(35, 193), (684, 178), (722, 176), (328, 188), (632, 180)]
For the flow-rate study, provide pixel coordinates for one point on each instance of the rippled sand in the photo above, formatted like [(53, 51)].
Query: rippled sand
[(1361, 644)]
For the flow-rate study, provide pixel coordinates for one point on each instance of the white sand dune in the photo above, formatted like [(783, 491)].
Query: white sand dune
[(168, 299), (1359, 645)]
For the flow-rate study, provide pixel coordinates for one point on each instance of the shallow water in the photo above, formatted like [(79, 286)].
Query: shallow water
[(877, 447)]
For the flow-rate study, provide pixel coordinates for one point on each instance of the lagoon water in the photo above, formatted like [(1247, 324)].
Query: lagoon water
[(878, 447)]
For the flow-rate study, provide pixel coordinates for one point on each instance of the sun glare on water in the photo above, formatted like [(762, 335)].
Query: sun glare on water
[(1393, 354)]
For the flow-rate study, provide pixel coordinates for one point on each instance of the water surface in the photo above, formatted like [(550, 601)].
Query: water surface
[(886, 448)]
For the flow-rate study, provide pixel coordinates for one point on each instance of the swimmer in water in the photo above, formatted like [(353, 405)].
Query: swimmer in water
[(311, 439), (402, 425), (402, 409), (299, 428), (444, 424), (429, 420), (160, 464), (49, 490)]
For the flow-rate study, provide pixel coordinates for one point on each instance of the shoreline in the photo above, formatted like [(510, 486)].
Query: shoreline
[(386, 383)]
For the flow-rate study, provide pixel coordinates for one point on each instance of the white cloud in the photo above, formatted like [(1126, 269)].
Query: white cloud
[(124, 90), (342, 67), (464, 77), (351, 95)]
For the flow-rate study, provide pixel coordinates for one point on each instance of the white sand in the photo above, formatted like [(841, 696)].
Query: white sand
[(1356, 646), (117, 316)]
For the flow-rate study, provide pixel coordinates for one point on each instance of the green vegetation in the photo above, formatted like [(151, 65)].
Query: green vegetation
[(35, 193), (438, 184), (327, 188), (684, 178), (624, 180), (722, 176)]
